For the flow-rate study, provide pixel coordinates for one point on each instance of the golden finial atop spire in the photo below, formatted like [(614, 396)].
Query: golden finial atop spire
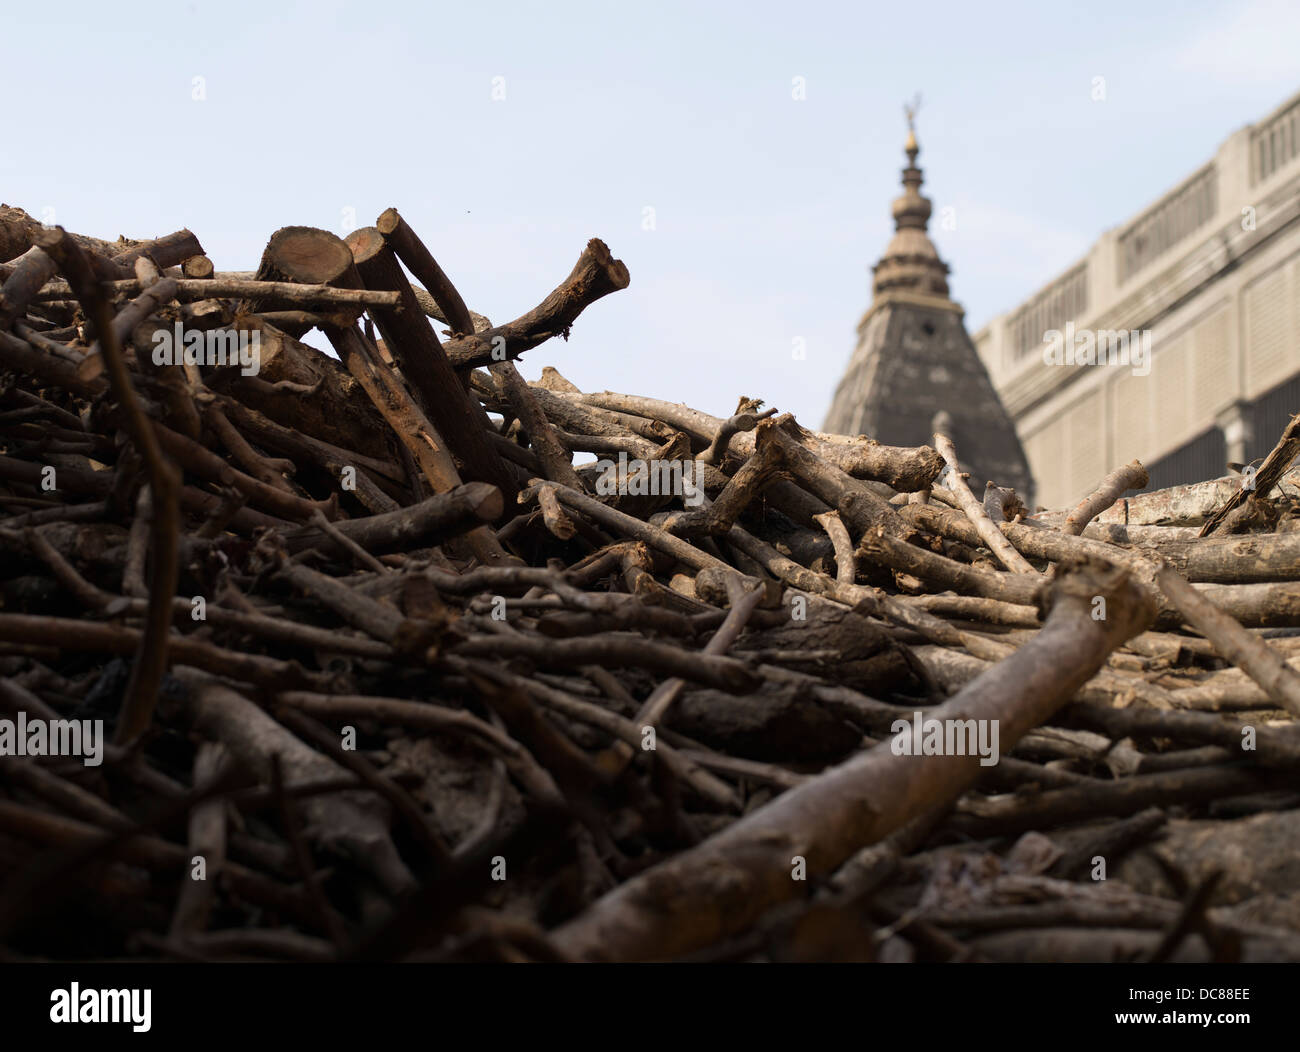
[(910, 262), (910, 110)]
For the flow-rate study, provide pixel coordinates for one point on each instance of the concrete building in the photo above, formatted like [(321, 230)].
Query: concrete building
[(1210, 275), (915, 370)]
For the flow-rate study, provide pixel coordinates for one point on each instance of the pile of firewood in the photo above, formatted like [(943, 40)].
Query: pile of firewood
[(399, 656)]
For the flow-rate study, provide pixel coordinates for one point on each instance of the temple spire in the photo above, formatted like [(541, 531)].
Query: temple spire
[(910, 262)]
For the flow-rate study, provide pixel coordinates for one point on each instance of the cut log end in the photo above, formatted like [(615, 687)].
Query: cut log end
[(305, 255)]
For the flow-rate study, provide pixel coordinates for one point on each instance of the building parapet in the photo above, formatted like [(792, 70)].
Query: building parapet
[(1065, 299), (1179, 213), (1251, 165), (1273, 142)]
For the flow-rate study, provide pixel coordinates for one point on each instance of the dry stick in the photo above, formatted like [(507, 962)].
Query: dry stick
[(1000, 502), (346, 822), (904, 468), (431, 718), (263, 627), (196, 457), (553, 380), (745, 421), (557, 462), (709, 787), (133, 580), (198, 268), (611, 518), (582, 419), (831, 485), (376, 619), (999, 816), (1263, 558), (1189, 505), (868, 600), (326, 740), (67, 576), (1249, 653), (1275, 464), (973, 608), (749, 482), (432, 521), (19, 356), (1051, 545), (1274, 746), (328, 917), (726, 883), (79, 635), (126, 321), (40, 340), (882, 547), (556, 522), (363, 557), (845, 564), (426, 302), (596, 274), (151, 852), (420, 262), (29, 272), (411, 426), (207, 840), (1131, 476), (664, 696), (164, 481), (456, 413), (618, 649), (65, 795), (297, 444), (989, 534), (254, 463), (281, 291)]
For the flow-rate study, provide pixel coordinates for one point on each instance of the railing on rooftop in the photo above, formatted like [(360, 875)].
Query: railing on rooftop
[(1169, 221), (1273, 142), (1063, 300)]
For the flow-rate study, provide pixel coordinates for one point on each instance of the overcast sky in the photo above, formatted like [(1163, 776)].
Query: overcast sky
[(768, 210)]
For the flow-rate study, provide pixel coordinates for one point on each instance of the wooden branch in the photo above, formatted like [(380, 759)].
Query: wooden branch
[(432, 521), (846, 571), (348, 824), (207, 840), (410, 425), (164, 481), (541, 436), (411, 251), (988, 533), (126, 321), (596, 274), (1130, 476), (1001, 504), (452, 410), (1189, 505), (742, 421), (265, 291), (1250, 654), (1274, 466), (903, 468)]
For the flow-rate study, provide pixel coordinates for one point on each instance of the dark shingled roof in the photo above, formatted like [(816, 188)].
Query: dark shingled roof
[(915, 360)]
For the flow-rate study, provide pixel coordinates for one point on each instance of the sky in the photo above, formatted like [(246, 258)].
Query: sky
[(740, 158)]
